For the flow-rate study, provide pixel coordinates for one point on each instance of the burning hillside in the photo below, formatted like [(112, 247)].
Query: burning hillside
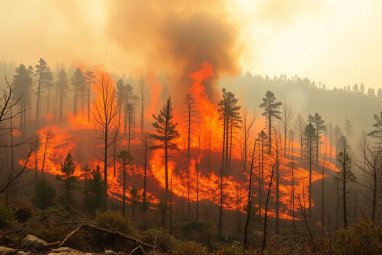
[(194, 180)]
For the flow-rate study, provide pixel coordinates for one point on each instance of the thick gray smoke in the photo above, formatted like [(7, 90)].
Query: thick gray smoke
[(176, 38)]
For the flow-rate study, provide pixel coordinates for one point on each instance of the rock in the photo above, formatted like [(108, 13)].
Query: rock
[(7, 251), (109, 252), (66, 251), (31, 242), (70, 251)]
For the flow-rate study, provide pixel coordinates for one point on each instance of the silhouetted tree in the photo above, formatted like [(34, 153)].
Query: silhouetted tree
[(22, 84), (96, 190), (89, 79), (164, 136), (262, 137), (370, 162), (345, 174), (277, 184), (290, 152), (67, 170), (377, 132), (142, 86), (86, 176), (249, 197), (44, 194), (271, 111), (78, 83), (147, 143), (319, 126), (228, 109), (246, 127), (300, 124), (106, 119), (310, 133), (135, 199), (44, 76), (348, 129), (286, 120), (264, 243), (189, 102), (124, 159), (61, 88)]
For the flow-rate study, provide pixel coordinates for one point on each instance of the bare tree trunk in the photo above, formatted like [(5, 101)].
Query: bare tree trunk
[(310, 175), (237, 210), (171, 206), (293, 192), (166, 182), (277, 220), (197, 194), (269, 134), (323, 196), (264, 243), (230, 144), (89, 92), (337, 202), (124, 187), (222, 170), (188, 197), (61, 106), (344, 193), (36, 158), (249, 203), (45, 149), (38, 98), (142, 108)]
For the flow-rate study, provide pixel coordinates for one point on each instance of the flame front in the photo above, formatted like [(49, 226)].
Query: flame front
[(78, 135)]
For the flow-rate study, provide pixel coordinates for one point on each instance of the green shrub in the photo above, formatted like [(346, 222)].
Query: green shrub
[(6, 216), (53, 224), (44, 195), (361, 237), (198, 231), (231, 250), (162, 240), (189, 248), (113, 220), (23, 214)]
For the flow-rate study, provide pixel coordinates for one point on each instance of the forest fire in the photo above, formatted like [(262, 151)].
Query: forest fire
[(191, 127), (196, 181)]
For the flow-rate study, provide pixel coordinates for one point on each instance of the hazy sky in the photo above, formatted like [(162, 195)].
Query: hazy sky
[(333, 41)]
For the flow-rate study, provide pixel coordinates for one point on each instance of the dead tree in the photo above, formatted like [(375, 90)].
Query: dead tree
[(189, 103), (300, 124), (277, 175), (124, 158), (228, 109), (262, 138), (7, 114), (246, 127), (106, 112), (249, 197), (46, 144), (142, 85), (345, 174), (291, 147), (370, 162), (89, 78), (264, 243), (285, 121), (147, 143)]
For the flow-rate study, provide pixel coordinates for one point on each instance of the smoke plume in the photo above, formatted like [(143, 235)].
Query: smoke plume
[(176, 38)]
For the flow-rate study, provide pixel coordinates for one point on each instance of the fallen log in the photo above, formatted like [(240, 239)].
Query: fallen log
[(108, 231)]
